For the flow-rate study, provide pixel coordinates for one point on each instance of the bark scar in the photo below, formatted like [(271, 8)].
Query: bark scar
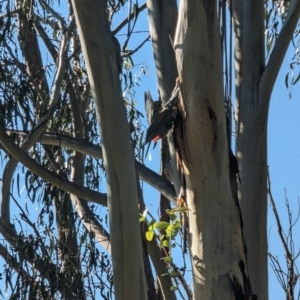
[(245, 292), (214, 120)]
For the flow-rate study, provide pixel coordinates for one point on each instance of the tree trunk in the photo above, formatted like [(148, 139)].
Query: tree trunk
[(215, 236), (251, 137), (97, 45), (254, 84)]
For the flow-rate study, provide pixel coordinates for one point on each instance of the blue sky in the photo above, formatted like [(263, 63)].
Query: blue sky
[(284, 162)]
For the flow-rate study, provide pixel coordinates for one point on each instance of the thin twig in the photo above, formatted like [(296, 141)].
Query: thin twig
[(291, 276), (278, 222), (128, 19), (129, 53)]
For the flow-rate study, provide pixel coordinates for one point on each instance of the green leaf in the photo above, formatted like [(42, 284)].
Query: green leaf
[(287, 80), (153, 221), (172, 217), (172, 230), (177, 224), (173, 288), (177, 210), (169, 231), (161, 225), (297, 79), (173, 273), (149, 235), (167, 259), (135, 10), (165, 243), (18, 184), (142, 219), (51, 218)]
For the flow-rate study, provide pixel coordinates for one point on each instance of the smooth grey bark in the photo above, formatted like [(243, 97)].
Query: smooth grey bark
[(254, 84), (215, 238), (251, 140), (97, 45), (157, 181), (162, 16), (78, 105)]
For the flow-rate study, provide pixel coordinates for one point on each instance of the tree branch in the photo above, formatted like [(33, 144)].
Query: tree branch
[(59, 181), (279, 227), (91, 223), (271, 71), (103, 75), (129, 53), (157, 181), (128, 19)]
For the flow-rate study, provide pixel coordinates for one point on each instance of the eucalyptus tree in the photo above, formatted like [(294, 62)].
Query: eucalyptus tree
[(67, 125)]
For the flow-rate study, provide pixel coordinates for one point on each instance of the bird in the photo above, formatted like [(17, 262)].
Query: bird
[(162, 122), (161, 125)]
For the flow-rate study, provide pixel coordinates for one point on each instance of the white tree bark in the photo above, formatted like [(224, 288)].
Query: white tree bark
[(215, 237), (254, 84), (98, 50), (251, 139)]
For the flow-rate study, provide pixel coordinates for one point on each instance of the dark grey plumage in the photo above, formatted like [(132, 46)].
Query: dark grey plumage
[(162, 122), (151, 107)]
